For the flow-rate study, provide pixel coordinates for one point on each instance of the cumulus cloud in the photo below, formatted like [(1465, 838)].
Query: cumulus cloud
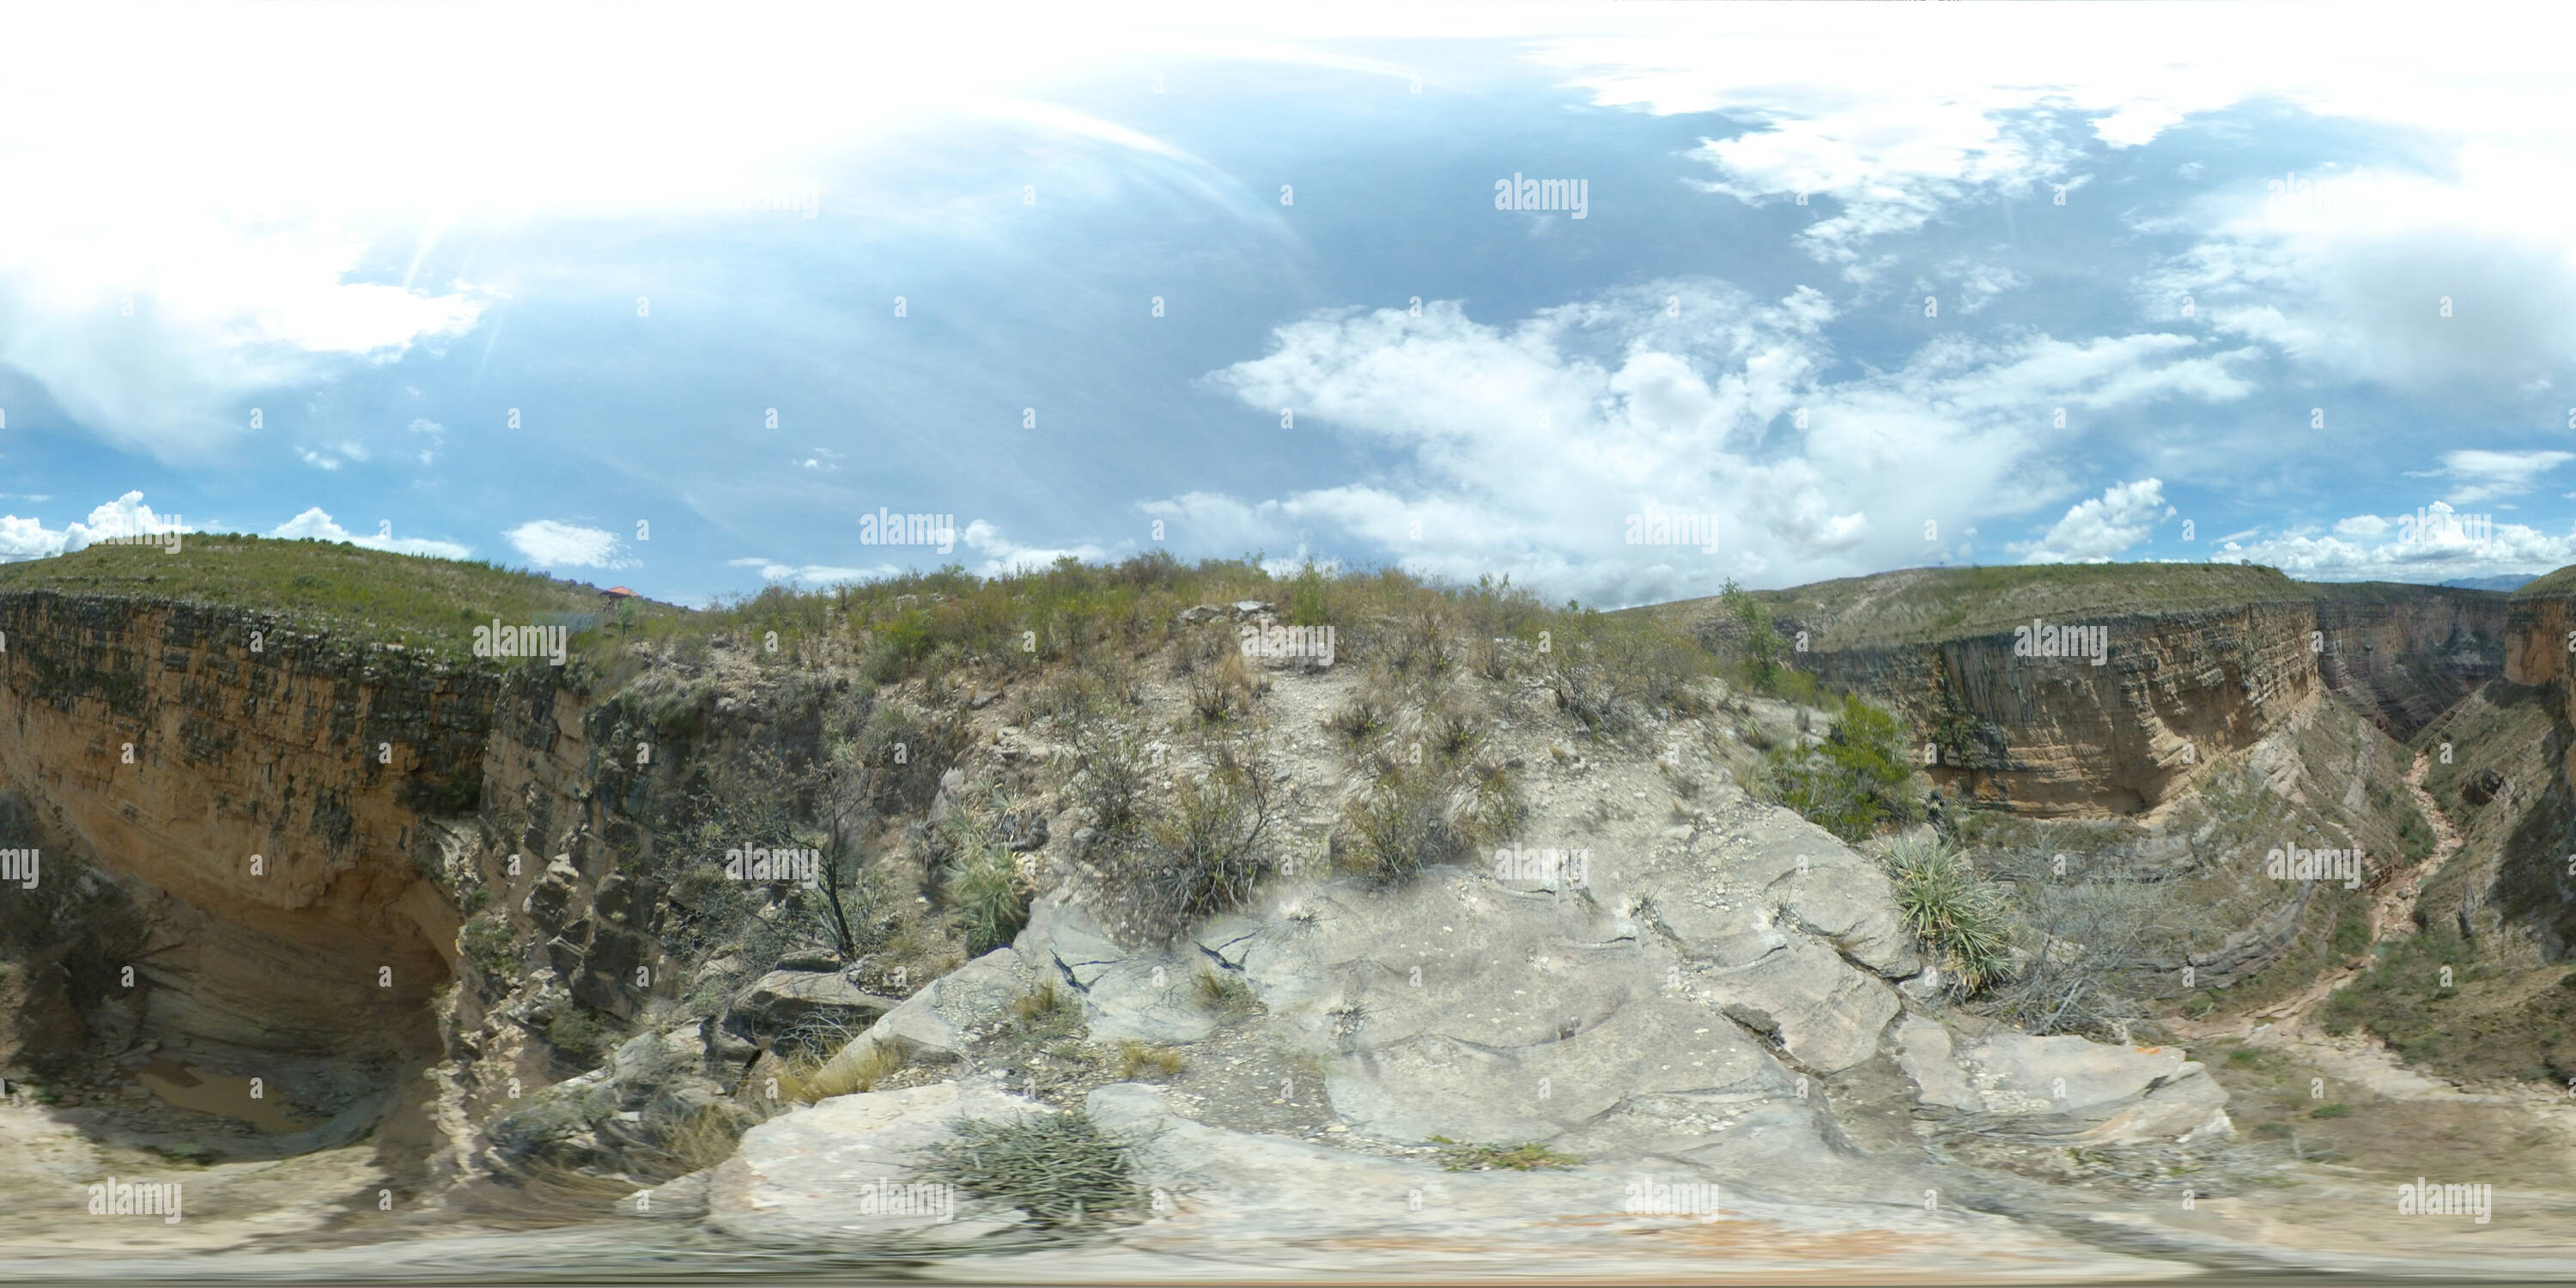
[(124, 518), (550, 543), (812, 574), (314, 524), (1525, 448), (1003, 556), (2482, 475), (2110, 524), (2436, 543)]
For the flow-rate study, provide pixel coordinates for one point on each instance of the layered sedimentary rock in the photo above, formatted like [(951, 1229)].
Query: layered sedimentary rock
[(2106, 693), (268, 788)]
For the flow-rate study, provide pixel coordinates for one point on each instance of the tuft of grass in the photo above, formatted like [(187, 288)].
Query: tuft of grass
[(856, 1068), (1457, 1156), (1048, 1010), (1226, 993), (1960, 916), (1060, 1168), (1138, 1061), (2338, 1109), (989, 898)]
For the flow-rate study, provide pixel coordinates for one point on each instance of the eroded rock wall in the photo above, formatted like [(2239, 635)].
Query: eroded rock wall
[(2176, 689), (169, 743)]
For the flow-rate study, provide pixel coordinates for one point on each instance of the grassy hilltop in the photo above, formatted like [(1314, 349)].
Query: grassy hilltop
[(364, 595)]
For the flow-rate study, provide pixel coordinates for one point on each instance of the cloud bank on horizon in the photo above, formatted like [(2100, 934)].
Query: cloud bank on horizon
[(1938, 285)]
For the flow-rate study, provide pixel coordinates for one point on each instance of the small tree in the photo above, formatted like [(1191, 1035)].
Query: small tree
[(844, 785), (1761, 641)]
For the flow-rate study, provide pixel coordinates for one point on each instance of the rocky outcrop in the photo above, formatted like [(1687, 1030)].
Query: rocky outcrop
[(2019, 713), (268, 787)]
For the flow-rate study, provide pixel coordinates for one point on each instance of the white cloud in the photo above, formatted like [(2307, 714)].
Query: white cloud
[(1524, 448), (1003, 556), (331, 458), (2483, 475), (2110, 524), (124, 518), (316, 525), (814, 574), (2436, 543), (23, 538), (249, 268), (435, 432), (553, 544)]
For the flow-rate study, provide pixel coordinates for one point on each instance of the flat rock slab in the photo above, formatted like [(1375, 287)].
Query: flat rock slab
[(780, 999), (1237, 1206), (811, 1177)]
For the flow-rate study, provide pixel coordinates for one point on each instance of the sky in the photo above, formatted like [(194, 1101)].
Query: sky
[(696, 300)]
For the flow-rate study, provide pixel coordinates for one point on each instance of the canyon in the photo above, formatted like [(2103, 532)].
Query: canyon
[(396, 884)]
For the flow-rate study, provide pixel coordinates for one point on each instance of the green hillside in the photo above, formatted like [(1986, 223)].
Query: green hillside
[(356, 594)]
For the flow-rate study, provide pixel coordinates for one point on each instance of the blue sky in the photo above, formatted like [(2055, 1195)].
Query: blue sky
[(1869, 288)]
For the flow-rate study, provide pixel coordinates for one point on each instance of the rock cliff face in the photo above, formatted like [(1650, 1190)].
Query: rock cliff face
[(268, 788), (2178, 684)]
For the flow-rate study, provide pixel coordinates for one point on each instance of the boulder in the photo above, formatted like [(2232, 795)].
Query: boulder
[(935, 1025), (782, 999), (2069, 1090), (820, 1177)]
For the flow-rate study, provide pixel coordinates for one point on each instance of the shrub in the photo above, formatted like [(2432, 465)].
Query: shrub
[(1060, 1168), (1110, 781), (1526, 1156), (1396, 827), (485, 942), (579, 1034), (1047, 1011), (989, 897), (1960, 917), (1203, 855), (1855, 780)]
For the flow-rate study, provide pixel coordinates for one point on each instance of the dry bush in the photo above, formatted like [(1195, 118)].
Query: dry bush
[(1398, 825), (1225, 689), (1201, 854)]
